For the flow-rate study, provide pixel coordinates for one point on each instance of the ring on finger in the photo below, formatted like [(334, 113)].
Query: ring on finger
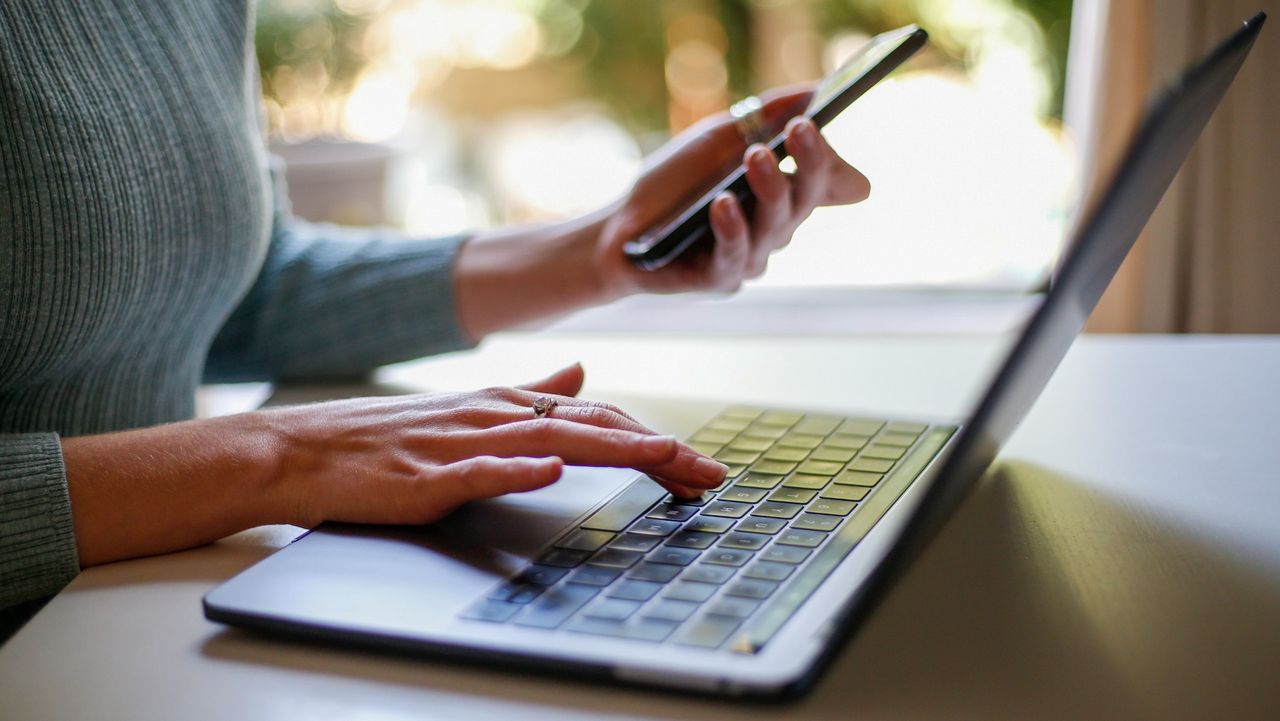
[(748, 116), (543, 405)]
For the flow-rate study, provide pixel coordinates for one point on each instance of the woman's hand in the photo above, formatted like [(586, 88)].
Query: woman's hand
[(407, 459), (742, 244), (413, 459), (507, 278)]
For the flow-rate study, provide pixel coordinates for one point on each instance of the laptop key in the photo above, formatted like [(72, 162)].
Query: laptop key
[(674, 556), (858, 478), (756, 588), (728, 557), (847, 441), (692, 539), (831, 453), (817, 425), (709, 524), (668, 609), (635, 542), (889, 453), (905, 427), (540, 575), (874, 465), (776, 509), (860, 427), (614, 609), (807, 482), (655, 572), (696, 501), (750, 445), (515, 592), (779, 418), (585, 540), (741, 458), (556, 605), (771, 433), (769, 570), (625, 507), (768, 526), (672, 512), (615, 558), (734, 607), (788, 455), (491, 611), (729, 424), (759, 480), (801, 537), (654, 527), (785, 554), (846, 493), (726, 509), (792, 495), (634, 590), (707, 632), (694, 591), (831, 507), (708, 573), (896, 438), (595, 575), (821, 468), (743, 495), (816, 522), (563, 558), (745, 541), (777, 468)]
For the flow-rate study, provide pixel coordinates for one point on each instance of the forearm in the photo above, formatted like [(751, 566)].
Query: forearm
[(509, 278), (166, 488)]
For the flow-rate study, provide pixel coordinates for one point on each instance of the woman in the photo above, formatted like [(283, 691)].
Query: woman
[(146, 245)]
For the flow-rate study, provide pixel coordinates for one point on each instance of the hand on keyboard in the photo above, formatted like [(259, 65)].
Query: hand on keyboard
[(413, 459)]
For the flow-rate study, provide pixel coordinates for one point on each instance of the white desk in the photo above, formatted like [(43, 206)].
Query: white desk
[(1122, 561)]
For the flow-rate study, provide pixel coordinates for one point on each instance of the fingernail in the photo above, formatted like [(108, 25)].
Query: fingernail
[(806, 133), (658, 442), (761, 156), (711, 470)]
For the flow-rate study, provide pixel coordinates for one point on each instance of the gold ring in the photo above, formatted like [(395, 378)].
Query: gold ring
[(748, 116), (543, 405)]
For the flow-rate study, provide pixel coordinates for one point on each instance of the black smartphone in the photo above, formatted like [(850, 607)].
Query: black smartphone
[(689, 229)]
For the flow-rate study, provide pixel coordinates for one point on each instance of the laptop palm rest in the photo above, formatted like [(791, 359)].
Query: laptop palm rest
[(417, 578)]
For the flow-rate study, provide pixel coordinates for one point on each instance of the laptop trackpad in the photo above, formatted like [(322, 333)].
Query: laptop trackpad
[(415, 577)]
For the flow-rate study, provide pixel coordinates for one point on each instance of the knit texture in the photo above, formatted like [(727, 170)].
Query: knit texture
[(146, 244)]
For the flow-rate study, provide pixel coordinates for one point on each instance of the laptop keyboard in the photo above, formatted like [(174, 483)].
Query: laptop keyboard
[(729, 568)]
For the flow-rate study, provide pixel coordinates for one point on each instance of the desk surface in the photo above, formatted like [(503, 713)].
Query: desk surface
[(1122, 560)]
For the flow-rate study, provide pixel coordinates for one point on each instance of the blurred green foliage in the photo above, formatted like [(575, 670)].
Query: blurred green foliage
[(621, 44)]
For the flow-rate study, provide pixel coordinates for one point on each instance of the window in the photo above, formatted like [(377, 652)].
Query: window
[(498, 111)]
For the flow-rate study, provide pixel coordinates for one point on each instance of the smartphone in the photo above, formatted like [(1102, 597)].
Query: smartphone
[(689, 229)]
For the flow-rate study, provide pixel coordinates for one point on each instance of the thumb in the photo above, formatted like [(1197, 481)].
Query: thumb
[(564, 382)]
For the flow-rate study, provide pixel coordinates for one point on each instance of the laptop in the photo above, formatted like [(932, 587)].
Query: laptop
[(749, 590)]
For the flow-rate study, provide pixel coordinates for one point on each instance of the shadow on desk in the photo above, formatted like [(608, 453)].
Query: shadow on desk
[(1042, 598)]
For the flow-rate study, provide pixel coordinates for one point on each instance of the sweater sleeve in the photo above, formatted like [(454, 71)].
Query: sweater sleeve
[(333, 302), (37, 540)]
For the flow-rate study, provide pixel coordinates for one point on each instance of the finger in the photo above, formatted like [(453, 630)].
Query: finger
[(564, 382), (481, 477), (576, 443), (584, 445), (813, 167), (733, 243), (848, 185), (772, 190)]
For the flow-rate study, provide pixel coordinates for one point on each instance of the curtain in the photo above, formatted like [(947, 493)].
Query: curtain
[(1209, 260)]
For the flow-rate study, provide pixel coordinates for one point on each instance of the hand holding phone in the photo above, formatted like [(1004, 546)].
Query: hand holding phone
[(688, 229)]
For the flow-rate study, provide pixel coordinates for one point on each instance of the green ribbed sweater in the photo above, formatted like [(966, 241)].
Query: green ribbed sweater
[(146, 245)]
